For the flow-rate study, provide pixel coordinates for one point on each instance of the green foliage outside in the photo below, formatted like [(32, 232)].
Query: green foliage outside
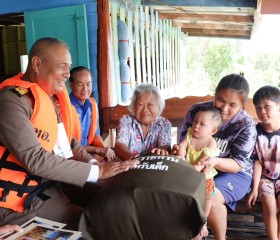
[(209, 59)]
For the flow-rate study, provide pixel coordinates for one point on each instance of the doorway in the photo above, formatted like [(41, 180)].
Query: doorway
[(13, 44)]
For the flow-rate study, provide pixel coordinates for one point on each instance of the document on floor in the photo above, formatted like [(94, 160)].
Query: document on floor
[(40, 228)]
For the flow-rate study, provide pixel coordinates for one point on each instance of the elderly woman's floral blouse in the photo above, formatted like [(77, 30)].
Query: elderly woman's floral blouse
[(129, 132)]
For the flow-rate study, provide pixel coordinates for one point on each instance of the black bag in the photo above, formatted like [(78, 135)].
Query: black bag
[(162, 198)]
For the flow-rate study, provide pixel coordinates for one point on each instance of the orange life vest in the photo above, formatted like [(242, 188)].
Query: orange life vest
[(17, 186), (92, 140)]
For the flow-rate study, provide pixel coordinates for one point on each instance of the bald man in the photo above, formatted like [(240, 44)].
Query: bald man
[(37, 149)]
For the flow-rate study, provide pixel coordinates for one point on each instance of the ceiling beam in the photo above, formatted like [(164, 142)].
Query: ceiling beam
[(208, 17), (218, 36), (192, 31), (212, 26), (205, 10)]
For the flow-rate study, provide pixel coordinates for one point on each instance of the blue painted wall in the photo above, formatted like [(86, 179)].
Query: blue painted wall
[(20, 6)]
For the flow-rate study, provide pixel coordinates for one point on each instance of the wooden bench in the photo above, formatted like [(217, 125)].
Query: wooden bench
[(244, 223)]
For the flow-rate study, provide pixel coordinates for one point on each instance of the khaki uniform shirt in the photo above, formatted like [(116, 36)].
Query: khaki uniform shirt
[(18, 136)]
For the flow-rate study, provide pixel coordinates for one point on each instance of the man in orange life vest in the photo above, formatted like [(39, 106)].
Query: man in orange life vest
[(88, 132), (32, 163)]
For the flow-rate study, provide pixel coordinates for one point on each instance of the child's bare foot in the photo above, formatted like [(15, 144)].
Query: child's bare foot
[(203, 233)]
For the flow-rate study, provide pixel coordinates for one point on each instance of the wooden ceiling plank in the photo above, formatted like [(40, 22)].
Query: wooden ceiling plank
[(218, 36), (205, 10), (216, 32), (208, 17), (211, 26)]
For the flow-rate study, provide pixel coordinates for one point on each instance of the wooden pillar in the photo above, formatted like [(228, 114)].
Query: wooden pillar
[(104, 75)]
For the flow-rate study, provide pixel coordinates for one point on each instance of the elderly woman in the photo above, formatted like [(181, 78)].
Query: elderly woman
[(144, 130)]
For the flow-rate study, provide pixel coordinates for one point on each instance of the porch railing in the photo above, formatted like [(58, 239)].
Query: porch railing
[(154, 50)]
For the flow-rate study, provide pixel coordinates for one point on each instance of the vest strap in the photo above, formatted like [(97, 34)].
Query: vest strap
[(39, 193), (10, 165), (23, 188), (4, 158), (25, 183), (32, 191), (10, 186)]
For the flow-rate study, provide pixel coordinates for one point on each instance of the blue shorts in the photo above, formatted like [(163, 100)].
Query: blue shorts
[(233, 186)]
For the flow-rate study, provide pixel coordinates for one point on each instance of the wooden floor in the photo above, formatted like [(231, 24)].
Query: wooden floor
[(249, 237), (244, 225)]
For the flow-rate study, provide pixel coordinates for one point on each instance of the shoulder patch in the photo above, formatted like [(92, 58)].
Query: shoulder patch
[(20, 91)]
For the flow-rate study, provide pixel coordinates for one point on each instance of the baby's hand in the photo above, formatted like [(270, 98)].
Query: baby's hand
[(208, 164), (199, 167), (175, 149)]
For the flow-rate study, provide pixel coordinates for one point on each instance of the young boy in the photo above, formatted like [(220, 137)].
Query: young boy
[(266, 155)]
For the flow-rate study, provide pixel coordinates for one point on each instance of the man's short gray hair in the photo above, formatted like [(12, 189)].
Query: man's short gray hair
[(146, 88), (42, 47)]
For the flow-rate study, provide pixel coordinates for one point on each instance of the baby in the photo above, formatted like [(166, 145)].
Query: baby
[(199, 144)]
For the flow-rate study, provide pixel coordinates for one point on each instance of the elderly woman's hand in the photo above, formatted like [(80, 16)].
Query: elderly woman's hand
[(159, 151)]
